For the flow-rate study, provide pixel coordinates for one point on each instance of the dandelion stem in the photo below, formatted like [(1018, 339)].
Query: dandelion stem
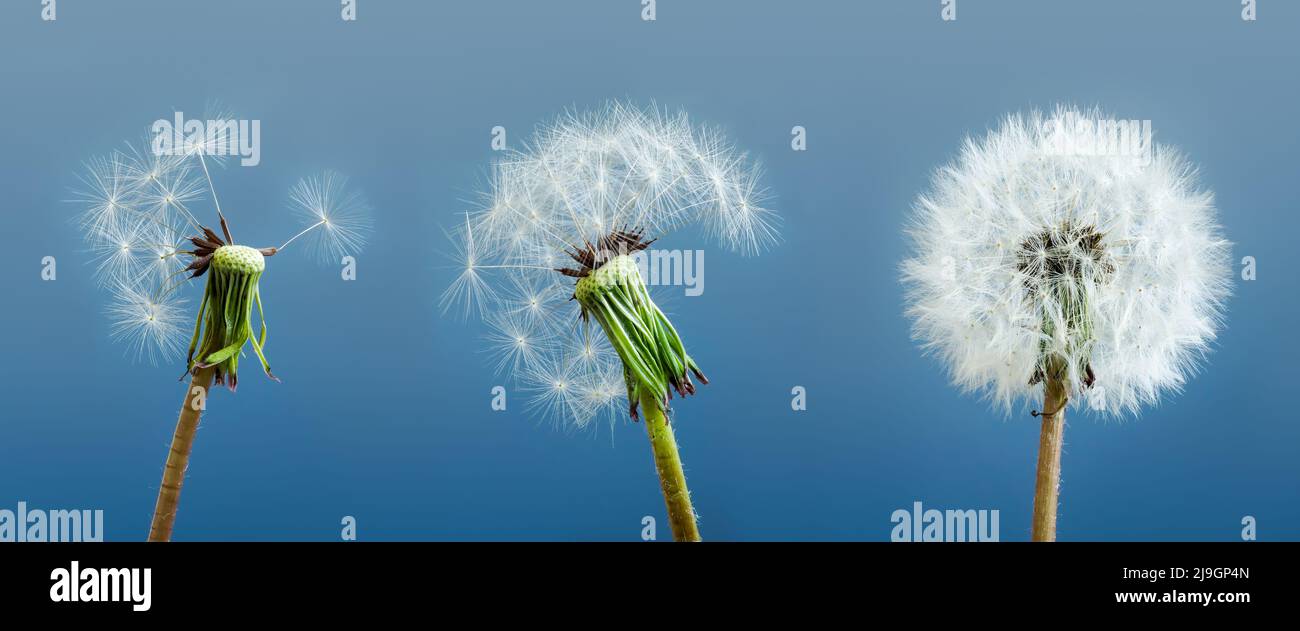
[(681, 515), (1047, 489), (178, 458)]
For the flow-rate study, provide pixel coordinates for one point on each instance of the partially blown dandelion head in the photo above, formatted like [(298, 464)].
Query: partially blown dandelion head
[(1101, 269), (611, 291), (224, 323), (140, 220), (565, 220)]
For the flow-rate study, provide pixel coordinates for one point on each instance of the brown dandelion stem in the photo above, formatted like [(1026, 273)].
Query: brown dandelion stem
[(178, 458), (681, 515), (1047, 489)]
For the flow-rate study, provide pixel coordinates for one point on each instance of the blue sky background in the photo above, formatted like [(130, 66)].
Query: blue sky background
[(384, 410)]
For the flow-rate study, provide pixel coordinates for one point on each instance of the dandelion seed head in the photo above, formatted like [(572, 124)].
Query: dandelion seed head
[(139, 214), (1112, 264), (576, 180)]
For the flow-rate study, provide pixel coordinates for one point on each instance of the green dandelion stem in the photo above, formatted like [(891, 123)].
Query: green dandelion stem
[(681, 515)]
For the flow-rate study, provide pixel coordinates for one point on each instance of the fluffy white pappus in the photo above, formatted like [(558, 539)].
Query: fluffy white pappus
[(139, 211), (579, 178), (151, 327), (136, 215), (338, 218), (1044, 241)]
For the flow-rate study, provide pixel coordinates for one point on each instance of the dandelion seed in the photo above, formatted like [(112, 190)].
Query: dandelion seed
[(159, 250), (601, 393), (152, 328), (105, 192), (516, 343), (470, 288), (117, 249), (557, 391), (338, 218)]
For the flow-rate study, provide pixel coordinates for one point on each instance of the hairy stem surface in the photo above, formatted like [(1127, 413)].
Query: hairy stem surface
[(681, 515), (1050, 440), (169, 493)]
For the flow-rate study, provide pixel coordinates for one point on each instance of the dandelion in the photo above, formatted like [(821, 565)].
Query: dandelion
[(148, 244), (1074, 276), (564, 221)]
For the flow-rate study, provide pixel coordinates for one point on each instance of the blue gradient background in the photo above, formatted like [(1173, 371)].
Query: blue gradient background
[(384, 410)]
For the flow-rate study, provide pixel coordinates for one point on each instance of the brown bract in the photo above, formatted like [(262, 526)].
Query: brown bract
[(205, 246), (619, 242)]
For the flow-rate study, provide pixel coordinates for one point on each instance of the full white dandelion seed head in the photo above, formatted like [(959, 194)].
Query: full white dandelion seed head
[(579, 178), (1037, 249), (338, 218)]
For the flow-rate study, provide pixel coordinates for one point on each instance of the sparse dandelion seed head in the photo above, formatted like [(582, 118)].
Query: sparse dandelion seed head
[(584, 180), (1101, 269), (148, 243)]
